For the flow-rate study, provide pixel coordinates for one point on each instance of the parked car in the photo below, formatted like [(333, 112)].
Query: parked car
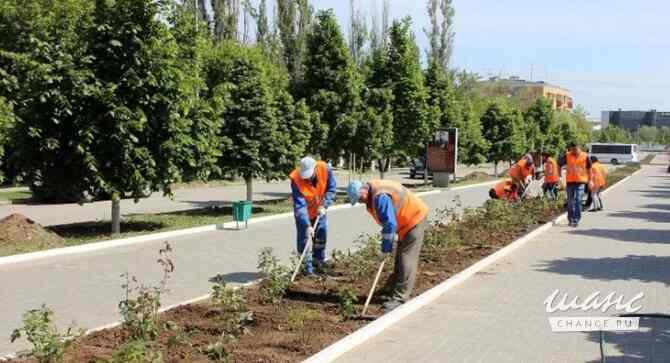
[(418, 169)]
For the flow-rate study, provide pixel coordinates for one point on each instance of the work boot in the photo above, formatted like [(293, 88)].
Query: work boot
[(392, 304), (323, 268)]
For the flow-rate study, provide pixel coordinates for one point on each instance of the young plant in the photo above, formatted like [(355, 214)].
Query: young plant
[(136, 351), (228, 299), (139, 309), (220, 350), (347, 300), (49, 344), (276, 278), (300, 321)]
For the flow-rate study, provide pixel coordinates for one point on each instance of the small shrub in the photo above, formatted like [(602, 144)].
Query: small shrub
[(276, 278), (301, 322), (228, 299), (220, 351), (136, 351), (361, 261), (48, 343), (347, 299), (140, 308)]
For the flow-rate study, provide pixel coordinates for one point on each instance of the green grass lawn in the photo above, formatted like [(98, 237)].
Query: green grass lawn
[(15, 196)]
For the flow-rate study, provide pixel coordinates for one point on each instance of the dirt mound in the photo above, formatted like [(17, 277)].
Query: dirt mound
[(16, 229)]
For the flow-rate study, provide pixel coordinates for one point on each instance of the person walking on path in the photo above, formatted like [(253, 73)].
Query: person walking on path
[(504, 190), (578, 165), (551, 176), (313, 188), (597, 182), (403, 217), (522, 172)]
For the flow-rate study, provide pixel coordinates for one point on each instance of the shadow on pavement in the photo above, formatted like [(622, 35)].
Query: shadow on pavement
[(657, 206), (631, 267), (649, 344), (626, 235), (658, 217), (235, 277)]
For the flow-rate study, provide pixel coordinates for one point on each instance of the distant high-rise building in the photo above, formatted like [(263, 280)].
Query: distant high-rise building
[(632, 120)]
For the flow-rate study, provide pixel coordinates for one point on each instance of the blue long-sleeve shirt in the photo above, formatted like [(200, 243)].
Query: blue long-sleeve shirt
[(386, 214), (300, 204)]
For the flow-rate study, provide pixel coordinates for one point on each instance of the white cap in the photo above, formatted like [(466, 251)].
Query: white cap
[(307, 166)]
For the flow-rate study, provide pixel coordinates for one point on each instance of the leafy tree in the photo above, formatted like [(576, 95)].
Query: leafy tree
[(413, 125), (294, 19), (46, 76), (332, 84), (226, 19), (457, 110), (499, 123), (257, 137), (539, 124), (140, 134), (614, 134), (441, 32), (648, 134), (358, 33), (6, 122), (200, 157)]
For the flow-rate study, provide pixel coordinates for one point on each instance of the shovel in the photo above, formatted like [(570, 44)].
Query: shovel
[(308, 245), (372, 289)]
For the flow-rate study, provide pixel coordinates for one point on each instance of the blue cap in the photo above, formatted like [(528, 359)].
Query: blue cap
[(307, 165), (352, 191)]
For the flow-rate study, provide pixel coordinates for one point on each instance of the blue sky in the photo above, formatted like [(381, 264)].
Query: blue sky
[(610, 54)]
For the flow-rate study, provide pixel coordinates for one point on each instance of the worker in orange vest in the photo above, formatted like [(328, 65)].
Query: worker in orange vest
[(504, 190), (313, 190), (552, 176), (578, 165), (522, 172), (597, 182), (403, 217)]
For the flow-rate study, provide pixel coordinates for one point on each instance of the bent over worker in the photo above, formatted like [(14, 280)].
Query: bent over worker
[(551, 176), (313, 188), (504, 190), (403, 217), (522, 172), (597, 182)]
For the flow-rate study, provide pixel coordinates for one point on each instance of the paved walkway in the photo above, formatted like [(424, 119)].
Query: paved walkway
[(184, 199), (87, 287), (499, 315)]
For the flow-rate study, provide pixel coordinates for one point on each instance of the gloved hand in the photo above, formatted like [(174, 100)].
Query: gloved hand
[(387, 242), (310, 231), (322, 211)]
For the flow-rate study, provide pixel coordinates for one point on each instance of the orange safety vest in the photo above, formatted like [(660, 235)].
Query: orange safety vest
[(409, 209), (520, 171), (504, 190), (598, 178), (576, 168), (551, 171), (313, 194)]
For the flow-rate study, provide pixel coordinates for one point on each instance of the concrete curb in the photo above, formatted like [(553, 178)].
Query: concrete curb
[(360, 336), (96, 246)]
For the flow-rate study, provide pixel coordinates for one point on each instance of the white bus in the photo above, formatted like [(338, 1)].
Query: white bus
[(615, 153)]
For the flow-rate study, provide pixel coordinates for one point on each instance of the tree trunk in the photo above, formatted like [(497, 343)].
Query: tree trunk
[(383, 166), (495, 168), (250, 187), (116, 214)]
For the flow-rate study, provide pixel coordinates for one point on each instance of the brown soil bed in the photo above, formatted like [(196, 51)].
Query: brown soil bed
[(16, 227), (477, 234)]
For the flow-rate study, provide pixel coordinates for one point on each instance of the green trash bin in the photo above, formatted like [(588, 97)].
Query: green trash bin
[(242, 212)]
